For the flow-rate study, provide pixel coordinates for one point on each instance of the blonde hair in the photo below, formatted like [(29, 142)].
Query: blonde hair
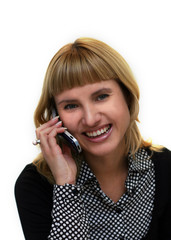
[(88, 61)]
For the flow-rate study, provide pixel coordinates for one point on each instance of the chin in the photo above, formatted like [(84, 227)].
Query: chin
[(101, 151)]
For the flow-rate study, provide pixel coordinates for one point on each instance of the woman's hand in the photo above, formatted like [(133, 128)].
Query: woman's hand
[(60, 162)]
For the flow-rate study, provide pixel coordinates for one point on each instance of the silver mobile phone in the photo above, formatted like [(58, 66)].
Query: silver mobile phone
[(68, 137)]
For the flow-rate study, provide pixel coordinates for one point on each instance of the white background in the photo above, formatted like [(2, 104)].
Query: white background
[(31, 33)]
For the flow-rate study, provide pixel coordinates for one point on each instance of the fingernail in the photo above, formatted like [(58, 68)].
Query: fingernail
[(58, 123), (56, 117), (65, 128)]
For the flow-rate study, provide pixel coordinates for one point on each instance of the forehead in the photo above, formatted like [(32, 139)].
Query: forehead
[(88, 89)]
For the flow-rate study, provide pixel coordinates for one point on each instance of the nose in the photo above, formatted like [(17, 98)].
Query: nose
[(91, 116)]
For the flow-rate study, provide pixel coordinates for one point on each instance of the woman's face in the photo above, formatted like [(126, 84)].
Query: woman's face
[(96, 114)]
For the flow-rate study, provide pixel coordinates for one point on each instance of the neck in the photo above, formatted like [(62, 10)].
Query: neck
[(109, 167)]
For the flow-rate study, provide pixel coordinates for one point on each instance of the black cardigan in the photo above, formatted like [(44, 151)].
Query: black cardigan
[(160, 228), (34, 201)]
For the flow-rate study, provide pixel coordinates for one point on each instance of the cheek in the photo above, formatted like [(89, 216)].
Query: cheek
[(69, 121), (122, 116), (63, 117), (125, 118)]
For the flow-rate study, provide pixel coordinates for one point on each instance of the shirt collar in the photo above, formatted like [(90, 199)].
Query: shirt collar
[(86, 175), (140, 162)]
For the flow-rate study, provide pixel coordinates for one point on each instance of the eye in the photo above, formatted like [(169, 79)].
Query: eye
[(102, 97), (70, 106)]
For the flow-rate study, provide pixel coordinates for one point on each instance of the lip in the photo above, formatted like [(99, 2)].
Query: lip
[(96, 129), (100, 138)]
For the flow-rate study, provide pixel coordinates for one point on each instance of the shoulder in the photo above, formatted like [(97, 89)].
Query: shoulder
[(34, 198), (31, 181), (30, 174), (162, 167), (164, 153), (162, 159)]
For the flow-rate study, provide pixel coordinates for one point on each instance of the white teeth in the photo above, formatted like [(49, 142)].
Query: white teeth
[(98, 132), (94, 134)]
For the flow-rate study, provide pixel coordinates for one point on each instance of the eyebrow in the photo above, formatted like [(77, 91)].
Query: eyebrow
[(106, 90)]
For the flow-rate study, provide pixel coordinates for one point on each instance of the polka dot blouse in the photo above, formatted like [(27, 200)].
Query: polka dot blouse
[(84, 211)]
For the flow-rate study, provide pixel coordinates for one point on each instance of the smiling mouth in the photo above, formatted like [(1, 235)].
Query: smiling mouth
[(99, 132)]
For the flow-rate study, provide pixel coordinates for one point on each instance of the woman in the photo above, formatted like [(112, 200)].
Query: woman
[(119, 186)]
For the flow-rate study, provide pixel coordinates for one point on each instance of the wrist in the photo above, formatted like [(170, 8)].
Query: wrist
[(63, 182)]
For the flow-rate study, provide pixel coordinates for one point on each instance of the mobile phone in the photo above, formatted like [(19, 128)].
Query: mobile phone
[(68, 137)]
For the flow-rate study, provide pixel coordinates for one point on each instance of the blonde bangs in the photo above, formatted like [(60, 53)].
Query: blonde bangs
[(77, 67)]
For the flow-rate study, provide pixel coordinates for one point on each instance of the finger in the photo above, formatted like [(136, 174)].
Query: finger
[(48, 136), (46, 125), (48, 143), (47, 130), (52, 136)]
